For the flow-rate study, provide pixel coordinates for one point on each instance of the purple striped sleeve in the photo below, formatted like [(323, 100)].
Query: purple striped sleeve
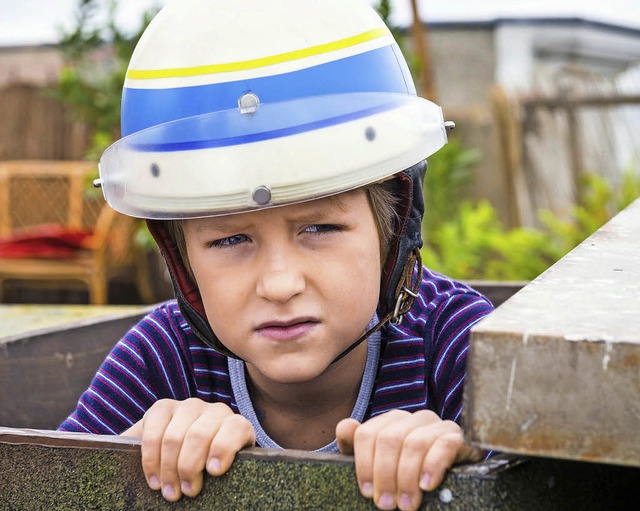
[(147, 364), (450, 323)]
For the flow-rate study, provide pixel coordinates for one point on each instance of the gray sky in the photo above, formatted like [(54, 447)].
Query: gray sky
[(38, 21)]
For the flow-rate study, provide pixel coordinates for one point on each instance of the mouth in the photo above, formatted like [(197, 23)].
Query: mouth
[(287, 329)]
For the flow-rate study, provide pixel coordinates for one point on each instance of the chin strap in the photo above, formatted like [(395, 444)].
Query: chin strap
[(406, 292)]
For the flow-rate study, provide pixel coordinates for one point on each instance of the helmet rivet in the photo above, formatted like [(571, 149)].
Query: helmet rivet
[(370, 133), (248, 103), (155, 170), (262, 195)]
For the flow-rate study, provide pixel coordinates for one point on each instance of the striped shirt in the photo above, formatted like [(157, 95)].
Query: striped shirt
[(422, 363)]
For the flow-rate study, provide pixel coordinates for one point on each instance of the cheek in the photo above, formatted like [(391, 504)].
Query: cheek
[(223, 304), (359, 279), (219, 290)]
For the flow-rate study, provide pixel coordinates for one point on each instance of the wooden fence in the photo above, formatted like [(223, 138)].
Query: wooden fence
[(33, 125), (546, 143)]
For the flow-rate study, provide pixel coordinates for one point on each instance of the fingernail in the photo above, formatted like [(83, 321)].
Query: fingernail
[(154, 484), (213, 465), (185, 487), (386, 501), (405, 501), (424, 482), (367, 490), (167, 491)]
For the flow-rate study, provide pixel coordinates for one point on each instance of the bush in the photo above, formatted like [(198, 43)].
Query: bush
[(474, 244), (466, 239)]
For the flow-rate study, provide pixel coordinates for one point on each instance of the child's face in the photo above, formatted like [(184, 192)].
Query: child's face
[(288, 289)]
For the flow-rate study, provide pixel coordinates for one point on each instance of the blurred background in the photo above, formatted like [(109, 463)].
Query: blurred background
[(545, 96)]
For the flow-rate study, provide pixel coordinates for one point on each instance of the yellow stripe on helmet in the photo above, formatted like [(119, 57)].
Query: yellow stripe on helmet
[(179, 72)]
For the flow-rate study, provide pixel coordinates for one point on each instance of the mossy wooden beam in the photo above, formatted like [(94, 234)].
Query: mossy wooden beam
[(44, 470)]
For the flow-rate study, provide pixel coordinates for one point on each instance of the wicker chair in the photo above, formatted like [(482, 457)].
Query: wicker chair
[(41, 193)]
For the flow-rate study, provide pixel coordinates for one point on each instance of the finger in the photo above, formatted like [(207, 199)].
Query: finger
[(235, 433), (364, 447), (195, 449), (417, 443), (444, 451), (135, 430), (345, 432), (389, 445), (414, 448), (154, 423), (175, 432)]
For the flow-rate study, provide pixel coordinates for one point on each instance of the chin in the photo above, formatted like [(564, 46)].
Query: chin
[(292, 371)]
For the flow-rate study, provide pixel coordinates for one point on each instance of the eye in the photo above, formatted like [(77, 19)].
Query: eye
[(322, 228), (230, 241)]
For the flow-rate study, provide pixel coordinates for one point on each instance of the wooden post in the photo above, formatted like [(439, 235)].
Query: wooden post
[(5, 209), (509, 144), (426, 83), (573, 135)]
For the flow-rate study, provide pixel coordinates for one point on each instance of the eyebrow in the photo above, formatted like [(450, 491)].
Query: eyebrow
[(222, 226), (320, 212), (311, 212)]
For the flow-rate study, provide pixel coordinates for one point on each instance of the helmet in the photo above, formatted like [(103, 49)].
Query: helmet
[(237, 106)]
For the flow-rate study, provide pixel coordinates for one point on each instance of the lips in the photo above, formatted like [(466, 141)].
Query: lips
[(288, 329)]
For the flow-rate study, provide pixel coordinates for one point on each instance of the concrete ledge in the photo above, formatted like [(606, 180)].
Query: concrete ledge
[(555, 370), (64, 471)]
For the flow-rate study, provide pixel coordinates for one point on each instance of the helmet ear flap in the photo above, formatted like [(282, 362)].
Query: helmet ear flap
[(187, 294), (407, 237)]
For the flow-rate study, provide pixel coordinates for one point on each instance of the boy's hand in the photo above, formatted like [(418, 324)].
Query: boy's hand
[(399, 454), (182, 438)]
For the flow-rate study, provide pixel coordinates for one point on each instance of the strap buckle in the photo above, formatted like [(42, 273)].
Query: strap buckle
[(403, 304)]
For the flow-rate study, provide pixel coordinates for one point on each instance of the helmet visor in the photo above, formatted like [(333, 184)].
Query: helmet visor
[(266, 155)]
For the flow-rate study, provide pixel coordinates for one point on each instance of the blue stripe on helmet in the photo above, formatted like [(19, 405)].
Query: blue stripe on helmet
[(143, 108), (207, 132)]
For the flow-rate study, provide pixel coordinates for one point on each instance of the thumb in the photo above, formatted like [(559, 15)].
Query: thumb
[(135, 430), (345, 432)]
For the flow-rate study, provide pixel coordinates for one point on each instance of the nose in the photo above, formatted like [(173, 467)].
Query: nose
[(279, 283)]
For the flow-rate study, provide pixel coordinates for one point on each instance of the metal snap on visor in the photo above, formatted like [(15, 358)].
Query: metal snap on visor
[(262, 195), (248, 103)]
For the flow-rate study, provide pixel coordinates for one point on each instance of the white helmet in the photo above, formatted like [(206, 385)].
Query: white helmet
[(232, 106), (236, 105)]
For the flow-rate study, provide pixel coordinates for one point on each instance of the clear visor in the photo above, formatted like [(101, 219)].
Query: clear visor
[(265, 155)]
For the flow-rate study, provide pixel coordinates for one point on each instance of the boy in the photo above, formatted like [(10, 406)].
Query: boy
[(276, 149)]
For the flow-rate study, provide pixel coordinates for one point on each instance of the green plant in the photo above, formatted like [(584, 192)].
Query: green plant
[(447, 182), (474, 244), (598, 201), (467, 240), (96, 53)]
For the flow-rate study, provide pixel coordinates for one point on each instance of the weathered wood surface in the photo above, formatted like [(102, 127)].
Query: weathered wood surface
[(63, 471), (555, 370), (49, 354)]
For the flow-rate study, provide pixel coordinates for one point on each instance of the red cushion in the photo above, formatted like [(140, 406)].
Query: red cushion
[(46, 241)]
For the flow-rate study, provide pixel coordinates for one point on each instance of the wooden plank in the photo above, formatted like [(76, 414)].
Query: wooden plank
[(584, 101), (5, 222), (76, 201), (49, 354), (62, 471), (555, 370)]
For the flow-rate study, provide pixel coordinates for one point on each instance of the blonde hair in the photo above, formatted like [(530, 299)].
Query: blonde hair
[(382, 202)]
